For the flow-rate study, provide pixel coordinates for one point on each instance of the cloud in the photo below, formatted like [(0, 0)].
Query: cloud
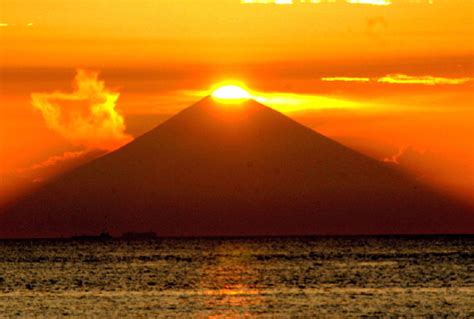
[(266, 1), (424, 80), (87, 116), (345, 79), (58, 164), (360, 2), (395, 158), (402, 79), (371, 2), (55, 160), (6, 25)]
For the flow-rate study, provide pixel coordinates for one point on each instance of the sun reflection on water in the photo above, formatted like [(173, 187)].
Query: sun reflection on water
[(230, 283)]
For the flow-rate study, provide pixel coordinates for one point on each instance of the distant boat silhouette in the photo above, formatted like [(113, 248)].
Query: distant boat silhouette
[(233, 170), (104, 235)]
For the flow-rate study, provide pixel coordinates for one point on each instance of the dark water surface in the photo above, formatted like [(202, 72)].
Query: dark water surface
[(274, 277)]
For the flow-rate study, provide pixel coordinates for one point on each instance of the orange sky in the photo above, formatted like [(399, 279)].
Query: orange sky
[(384, 79), (149, 33)]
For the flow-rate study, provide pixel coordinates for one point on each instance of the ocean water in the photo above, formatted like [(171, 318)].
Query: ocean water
[(239, 277)]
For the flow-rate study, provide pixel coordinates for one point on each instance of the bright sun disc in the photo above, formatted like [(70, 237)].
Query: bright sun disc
[(231, 92)]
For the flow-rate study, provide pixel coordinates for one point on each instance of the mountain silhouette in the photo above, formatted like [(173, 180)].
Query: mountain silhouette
[(234, 169)]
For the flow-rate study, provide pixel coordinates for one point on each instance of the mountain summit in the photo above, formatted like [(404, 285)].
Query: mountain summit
[(234, 169)]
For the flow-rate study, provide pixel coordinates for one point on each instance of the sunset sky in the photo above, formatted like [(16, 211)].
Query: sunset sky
[(391, 79)]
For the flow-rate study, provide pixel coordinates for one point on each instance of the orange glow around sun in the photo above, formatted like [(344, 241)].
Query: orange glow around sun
[(231, 92)]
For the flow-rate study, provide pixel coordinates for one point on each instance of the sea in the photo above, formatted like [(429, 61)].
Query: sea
[(274, 277)]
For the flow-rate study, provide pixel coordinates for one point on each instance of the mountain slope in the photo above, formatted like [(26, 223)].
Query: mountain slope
[(234, 169)]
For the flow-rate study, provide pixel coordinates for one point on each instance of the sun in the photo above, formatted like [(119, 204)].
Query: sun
[(231, 92)]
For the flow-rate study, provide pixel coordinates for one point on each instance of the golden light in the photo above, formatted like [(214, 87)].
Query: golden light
[(231, 92), (236, 92)]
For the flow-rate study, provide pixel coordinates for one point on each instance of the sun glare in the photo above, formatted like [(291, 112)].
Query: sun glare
[(231, 92)]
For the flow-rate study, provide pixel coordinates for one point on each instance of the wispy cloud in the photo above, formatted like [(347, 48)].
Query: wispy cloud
[(57, 164), (345, 79), (359, 2), (6, 25), (371, 2), (55, 160), (403, 79), (424, 80), (395, 158), (291, 102)]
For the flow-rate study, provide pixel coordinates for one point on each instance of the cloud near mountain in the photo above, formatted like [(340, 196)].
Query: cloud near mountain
[(87, 116)]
